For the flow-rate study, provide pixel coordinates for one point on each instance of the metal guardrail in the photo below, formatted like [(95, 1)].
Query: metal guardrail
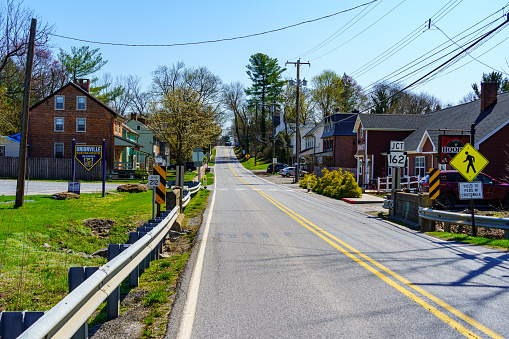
[(187, 197), (65, 318), (465, 219)]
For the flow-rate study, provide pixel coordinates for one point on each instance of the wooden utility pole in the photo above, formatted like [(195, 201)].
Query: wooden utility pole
[(297, 123), (20, 187)]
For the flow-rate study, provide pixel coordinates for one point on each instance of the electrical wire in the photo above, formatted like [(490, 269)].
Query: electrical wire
[(470, 55), (355, 36), (217, 40), (338, 32)]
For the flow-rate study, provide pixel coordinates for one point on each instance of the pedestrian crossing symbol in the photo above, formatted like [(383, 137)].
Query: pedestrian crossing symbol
[(469, 162)]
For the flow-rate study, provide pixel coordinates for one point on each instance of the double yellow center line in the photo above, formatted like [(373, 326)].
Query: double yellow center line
[(382, 272)]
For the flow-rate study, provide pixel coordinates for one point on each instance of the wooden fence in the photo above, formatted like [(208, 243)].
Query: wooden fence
[(48, 168)]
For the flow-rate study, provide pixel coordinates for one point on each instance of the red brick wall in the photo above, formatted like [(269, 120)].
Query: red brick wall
[(344, 151), (99, 126)]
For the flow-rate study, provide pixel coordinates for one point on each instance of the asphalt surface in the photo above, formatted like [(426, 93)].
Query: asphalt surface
[(280, 263), (8, 187)]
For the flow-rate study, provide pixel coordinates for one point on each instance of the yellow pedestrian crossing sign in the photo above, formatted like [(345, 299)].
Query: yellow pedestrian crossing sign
[(469, 162)]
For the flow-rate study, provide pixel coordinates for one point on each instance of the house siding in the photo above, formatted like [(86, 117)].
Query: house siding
[(496, 150), (344, 150), (99, 126)]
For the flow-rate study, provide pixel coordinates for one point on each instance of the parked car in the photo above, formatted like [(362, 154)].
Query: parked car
[(274, 168), (285, 171), (495, 192), (291, 172)]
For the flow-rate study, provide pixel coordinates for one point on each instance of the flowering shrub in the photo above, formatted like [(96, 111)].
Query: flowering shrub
[(336, 184)]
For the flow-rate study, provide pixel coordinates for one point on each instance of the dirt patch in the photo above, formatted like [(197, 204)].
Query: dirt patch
[(99, 227), (132, 188)]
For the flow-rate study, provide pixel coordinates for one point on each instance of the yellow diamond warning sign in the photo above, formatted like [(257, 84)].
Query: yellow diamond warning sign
[(469, 162)]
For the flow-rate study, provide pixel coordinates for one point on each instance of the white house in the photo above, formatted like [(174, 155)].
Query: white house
[(9, 147)]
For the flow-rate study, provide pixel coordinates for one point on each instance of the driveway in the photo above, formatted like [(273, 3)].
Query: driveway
[(8, 187)]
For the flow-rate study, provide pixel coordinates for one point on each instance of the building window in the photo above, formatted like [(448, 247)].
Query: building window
[(442, 167), (59, 124), (138, 128), (2, 151), (59, 101), (81, 103), (362, 133), (81, 124), (420, 167), (59, 149)]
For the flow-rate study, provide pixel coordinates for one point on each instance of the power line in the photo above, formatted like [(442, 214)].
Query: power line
[(217, 40), (448, 61)]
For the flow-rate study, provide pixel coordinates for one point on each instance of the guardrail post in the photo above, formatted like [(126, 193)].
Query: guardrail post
[(11, 324), (506, 234), (447, 227), (113, 300), (78, 275), (135, 274), (29, 318)]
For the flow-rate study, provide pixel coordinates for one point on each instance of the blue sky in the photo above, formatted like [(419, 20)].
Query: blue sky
[(167, 22)]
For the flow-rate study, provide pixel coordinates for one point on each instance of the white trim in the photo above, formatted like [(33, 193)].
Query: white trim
[(420, 147), (77, 103), (78, 125), (55, 149), (55, 102), (487, 136), (55, 124)]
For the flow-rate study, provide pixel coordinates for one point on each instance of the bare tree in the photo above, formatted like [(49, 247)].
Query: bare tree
[(235, 102)]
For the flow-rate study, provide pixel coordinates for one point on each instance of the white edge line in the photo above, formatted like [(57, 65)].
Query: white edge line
[(186, 324)]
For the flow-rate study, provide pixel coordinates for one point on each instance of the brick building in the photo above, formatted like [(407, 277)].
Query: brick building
[(69, 113)]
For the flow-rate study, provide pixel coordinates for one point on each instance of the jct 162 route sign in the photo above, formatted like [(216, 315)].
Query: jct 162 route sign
[(469, 162), (396, 159), (88, 155)]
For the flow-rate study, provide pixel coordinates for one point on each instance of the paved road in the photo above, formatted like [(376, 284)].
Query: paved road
[(8, 187), (276, 263)]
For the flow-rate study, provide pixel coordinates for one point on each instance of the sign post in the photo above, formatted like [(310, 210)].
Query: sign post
[(153, 181), (469, 162), (160, 190), (104, 168)]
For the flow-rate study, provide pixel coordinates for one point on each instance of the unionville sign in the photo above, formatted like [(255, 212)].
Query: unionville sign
[(88, 155)]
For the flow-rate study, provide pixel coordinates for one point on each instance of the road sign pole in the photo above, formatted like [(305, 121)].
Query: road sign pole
[(153, 202), (104, 167), (73, 161), (472, 142)]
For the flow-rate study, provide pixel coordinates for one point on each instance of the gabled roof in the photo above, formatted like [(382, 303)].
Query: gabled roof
[(390, 122), (78, 88), (129, 129), (314, 129), (343, 124), (461, 117)]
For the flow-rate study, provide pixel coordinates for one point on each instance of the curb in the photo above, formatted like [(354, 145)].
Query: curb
[(350, 201)]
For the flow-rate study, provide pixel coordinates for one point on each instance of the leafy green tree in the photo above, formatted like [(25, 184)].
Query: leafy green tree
[(332, 91), (81, 61), (385, 97), (183, 120), (267, 84), (503, 83)]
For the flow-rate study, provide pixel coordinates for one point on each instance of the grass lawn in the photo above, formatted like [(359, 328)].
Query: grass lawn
[(250, 163), (58, 223), (480, 241)]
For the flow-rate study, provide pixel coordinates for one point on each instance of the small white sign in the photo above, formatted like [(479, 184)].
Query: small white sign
[(471, 190), (274, 160), (396, 159), (154, 180), (397, 146)]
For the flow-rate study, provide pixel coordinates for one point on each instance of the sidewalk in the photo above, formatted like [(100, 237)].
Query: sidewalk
[(367, 203)]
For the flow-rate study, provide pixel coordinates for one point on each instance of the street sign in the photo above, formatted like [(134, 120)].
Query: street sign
[(434, 183), (396, 159), (471, 190), (73, 187), (449, 146), (88, 155), (469, 162), (248, 156), (160, 190), (397, 146), (274, 160), (154, 180)]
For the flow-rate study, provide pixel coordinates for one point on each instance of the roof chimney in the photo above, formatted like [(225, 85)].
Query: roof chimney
[(83, 83), (134, 116), (488, 94)]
